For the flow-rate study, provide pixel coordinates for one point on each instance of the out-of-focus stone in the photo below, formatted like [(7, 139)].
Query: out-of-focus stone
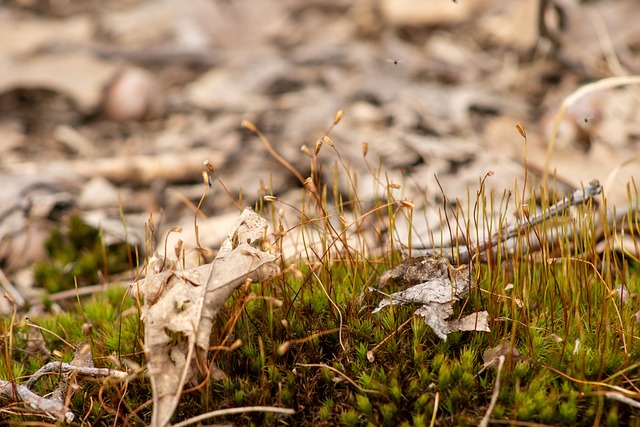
[(134, 94)]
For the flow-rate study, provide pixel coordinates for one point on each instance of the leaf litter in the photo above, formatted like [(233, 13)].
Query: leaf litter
[(436, 286), (179, 307)]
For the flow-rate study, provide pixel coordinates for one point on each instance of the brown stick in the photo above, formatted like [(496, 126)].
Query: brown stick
[(462, 255), (136, 170)]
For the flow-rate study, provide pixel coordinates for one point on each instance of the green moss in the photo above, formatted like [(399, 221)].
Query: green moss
[(612, 417), (388, 412), (568, 412), (77, 254), (413, 368), (364, 405), (324, 413), (420, 420), (349, 418)]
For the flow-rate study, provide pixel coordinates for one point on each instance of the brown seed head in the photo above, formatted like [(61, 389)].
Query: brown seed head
[(337, 117)]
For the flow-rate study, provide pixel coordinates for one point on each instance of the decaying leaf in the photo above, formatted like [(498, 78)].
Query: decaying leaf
[(179, 306), (491, 356), (83, 357), (436, 285), (415, 271), (436, 315)]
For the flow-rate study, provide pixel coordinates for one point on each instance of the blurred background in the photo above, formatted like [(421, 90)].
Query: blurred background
[(109, 108)]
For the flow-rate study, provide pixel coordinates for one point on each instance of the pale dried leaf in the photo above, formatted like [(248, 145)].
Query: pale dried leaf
[(179, 307), (416, 271), (437, 290), (442, 285), (435, 315), (478, 321), (248, 228)]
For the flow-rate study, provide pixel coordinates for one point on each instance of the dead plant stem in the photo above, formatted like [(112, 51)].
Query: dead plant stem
[(231, 411)]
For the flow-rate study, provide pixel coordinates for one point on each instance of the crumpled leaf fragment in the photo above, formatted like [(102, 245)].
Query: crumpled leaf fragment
[(436, 315), (415, 271), (436, 285), (491, 356), (179, 306), (434, 290)]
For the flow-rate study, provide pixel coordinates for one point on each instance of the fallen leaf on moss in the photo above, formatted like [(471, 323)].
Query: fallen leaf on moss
[(436, 285), (179, 307), (491, 356)]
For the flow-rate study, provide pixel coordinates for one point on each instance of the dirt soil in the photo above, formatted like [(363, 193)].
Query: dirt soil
[(114, 105)]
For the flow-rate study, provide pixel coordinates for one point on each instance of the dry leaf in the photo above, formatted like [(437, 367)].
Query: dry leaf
[(179, 307), (440, 283), (68, 384), (441, 286), (415, 271), (491, 356)]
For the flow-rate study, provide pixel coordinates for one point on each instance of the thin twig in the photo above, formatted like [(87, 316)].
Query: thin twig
[(371, 353), (494, 396), (436, 402), (331, 368), (231, 411), (35, 325), (82, 370), (86, 290), (50, 407), (578, 197), (313, 336), (594, 383)]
